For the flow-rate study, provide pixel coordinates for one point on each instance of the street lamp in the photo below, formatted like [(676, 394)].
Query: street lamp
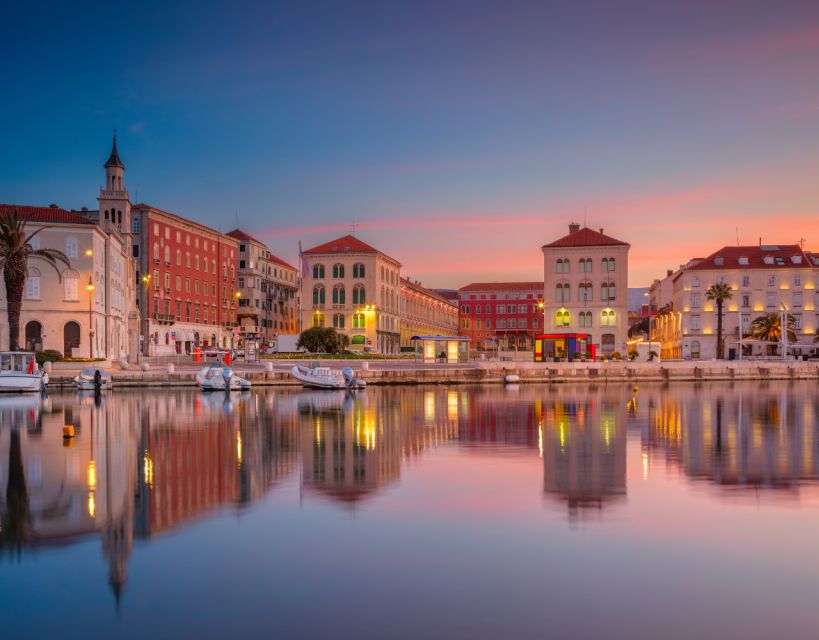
[(90, 288)]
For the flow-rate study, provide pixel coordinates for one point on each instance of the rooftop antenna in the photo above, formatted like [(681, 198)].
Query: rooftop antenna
[(585, 214), (801, 243), (353, 227), (737, 236)]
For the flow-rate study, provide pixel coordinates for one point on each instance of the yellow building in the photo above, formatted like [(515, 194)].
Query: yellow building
[(425, 312)]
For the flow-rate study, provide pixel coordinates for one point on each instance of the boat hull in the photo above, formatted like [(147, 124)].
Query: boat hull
[(20, 383)]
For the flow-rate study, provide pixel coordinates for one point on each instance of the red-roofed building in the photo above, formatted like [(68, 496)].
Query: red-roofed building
[(268, 287), (763, 279), (585, 276), (355, 288), (508, 314)]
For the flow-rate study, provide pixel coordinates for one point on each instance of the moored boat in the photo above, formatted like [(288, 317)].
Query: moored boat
[(316, 377), (93, 379), (219, 378), (19, 372)]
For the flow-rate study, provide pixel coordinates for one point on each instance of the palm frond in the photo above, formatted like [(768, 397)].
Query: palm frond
[(52, 257)]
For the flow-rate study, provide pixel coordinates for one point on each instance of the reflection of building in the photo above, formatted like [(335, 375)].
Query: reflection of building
[(502, 420), (268, 287), (586, 288), (584, 451), (742, 439)]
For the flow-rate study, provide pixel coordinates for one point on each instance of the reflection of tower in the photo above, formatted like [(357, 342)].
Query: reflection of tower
[(584, 454)]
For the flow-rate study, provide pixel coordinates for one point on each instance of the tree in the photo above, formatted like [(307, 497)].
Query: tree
[(322, 340), (15, 252), (719, 293), (768, 327)]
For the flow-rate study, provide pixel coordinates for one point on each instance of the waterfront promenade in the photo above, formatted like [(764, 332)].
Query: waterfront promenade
[(386, 372)]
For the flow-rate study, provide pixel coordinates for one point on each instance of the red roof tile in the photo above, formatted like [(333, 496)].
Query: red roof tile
[(241, 236), (778, 256), (586, 237), (502, 286), (345, 244), (44, 214)]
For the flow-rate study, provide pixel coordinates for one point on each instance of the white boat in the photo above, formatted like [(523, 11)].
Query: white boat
[(93, 379), (219, 378), (19, 372), (511, 378), (317, 377)]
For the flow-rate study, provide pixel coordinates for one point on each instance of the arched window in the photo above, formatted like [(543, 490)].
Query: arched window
[(383, 297), (611, 264), (167, 255), (33, 284), (338, 320), (559, 294), (318, 319), (585, 292), (34, 336), (604, 292), (71, 247), (358, 294), (318, 295), (358, 270), (607, 343), (339, 294), (156, 252), (318, 271), (71, 337), (358, 321), (71, 286), (604, 265), (695, 349), (562, 265), (585, 265), (338, 270), (607, 319), (562, 319)]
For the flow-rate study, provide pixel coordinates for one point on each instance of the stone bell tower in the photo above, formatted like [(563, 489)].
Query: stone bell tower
[(115, 203)]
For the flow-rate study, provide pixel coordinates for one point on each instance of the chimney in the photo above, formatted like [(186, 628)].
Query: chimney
[(601, 231), (53, 206), (669, 272), (574, 227)]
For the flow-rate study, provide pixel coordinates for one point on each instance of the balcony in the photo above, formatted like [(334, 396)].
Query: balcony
[(229, 325), (163, 318)]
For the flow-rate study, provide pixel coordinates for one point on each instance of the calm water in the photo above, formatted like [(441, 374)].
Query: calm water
[(463, 512)]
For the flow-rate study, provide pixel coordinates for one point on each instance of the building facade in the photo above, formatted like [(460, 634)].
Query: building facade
[(188, 282), (763, 279), (355, 288), (424, 312), (586, 288), (506, 314), (81, 310), (268, 288)]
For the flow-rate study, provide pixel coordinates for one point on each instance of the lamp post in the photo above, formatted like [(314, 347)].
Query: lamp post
[(90, 288)]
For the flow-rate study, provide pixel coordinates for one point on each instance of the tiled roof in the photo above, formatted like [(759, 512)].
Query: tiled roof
[(756, 257), (502, 286), (345, 244), (44, 214), (146, 207), (423, 290), (241, 236), (586, 237)]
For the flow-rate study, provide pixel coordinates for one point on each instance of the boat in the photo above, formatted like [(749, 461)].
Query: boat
[(219, 378), (93, 379), (316, 377), (19, 373), (511, 378)]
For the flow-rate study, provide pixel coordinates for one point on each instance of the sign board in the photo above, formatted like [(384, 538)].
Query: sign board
[(369, 342)]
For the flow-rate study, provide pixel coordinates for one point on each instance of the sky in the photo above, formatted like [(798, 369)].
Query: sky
[(458, 137)]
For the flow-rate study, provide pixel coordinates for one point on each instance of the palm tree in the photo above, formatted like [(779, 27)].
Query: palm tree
[(768, 327), (719, 293), (15, 252)]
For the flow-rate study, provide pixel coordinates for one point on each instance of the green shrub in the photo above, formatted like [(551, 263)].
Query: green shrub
[(49, 355), (616, 356)]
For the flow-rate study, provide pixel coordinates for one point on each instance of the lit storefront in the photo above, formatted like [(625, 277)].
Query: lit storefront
[(443, 349), (564, 346)]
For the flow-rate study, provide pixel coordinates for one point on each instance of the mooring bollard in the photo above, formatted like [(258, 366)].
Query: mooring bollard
[(268, 367), (144, 366), (365, 366)]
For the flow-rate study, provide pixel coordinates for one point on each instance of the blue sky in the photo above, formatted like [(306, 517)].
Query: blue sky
[(459, 135)]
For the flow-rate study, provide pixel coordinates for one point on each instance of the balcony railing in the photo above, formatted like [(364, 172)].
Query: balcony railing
[(163, 318)]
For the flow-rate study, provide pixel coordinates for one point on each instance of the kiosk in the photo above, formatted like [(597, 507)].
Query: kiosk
[(441, 349), (553, 347)]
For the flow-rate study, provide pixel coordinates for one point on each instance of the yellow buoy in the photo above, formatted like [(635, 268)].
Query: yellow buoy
[(68, 431), (635, 389)]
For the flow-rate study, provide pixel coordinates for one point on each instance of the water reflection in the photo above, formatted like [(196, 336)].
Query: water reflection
[(143, 464)]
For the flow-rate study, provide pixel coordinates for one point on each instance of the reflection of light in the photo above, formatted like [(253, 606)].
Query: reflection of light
[(239, 447), (452, 405), (540, 439), (429, 406), (644, 456), (606, 433), (317, 430), (562, 434), (148, 469), (92, 504), (365, 433), (92, 475)]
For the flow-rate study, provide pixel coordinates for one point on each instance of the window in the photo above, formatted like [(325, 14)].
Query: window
[(607, 319), (179, 283), (188, 259), (562, 265), (770, 299), (358, 270), (502, 324), (607, 343), (501, 308), (797, 322), (358, 321), (318, 271), (695, 349), (359, 294), (562, 319), (339, 294), (477, 308), (187, 285), (746, 300), (522, 323), (695, 300), (71, 286), (695, 281), (562, 293), (488, 324), (771, 281), (167, 255), (797, 298), (33, 284), (318, 319), (746, 281), (797, 280), (338, 320), (585, 292), (585, 265), (318, 295), (522, 308), (71, 247), (585, 319), (695, 323), (135, 224), (338, 270)]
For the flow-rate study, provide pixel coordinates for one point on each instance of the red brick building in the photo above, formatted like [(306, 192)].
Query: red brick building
[(188, 282), (509, 313)]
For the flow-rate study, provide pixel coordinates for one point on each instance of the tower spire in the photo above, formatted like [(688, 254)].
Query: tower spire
[(113, 159)]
